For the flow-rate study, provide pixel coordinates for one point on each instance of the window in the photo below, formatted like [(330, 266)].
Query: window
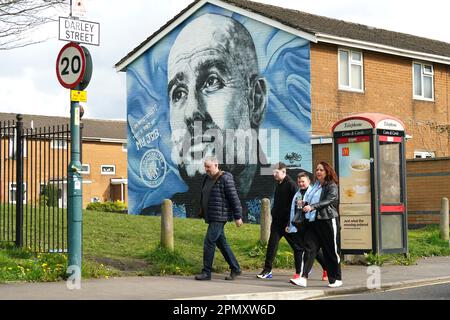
[(13, 148), (59, 144), (12, 192), (124, 147), (423, 75), (85, 169), (108, 169), (350, 65), (424, 154)]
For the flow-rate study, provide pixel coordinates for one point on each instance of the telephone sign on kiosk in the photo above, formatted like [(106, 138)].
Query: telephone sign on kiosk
[(74, 66)]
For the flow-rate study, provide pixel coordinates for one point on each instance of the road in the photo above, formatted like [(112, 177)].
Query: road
[(435, 291)]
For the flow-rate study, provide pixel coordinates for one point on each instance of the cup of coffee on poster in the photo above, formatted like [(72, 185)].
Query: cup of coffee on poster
[(360, 174)]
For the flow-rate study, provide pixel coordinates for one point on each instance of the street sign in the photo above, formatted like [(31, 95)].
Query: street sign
[(78, 95), (70, 65), (78, 8), (79, 31)]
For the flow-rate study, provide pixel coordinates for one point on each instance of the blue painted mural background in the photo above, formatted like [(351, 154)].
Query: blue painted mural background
[(284, 60)]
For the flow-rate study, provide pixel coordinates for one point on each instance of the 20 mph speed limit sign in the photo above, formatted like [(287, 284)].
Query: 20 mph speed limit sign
[(74, 66)]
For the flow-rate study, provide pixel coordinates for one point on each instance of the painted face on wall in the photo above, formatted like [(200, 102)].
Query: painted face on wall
[(213, 86)]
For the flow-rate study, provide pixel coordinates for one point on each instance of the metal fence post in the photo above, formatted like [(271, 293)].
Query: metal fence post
[(265, 221), (19, 181), (167, 225), (444, 228)]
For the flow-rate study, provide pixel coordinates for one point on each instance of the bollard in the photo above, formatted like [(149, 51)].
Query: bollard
[(266, 220), (444, 219), (167, 225)]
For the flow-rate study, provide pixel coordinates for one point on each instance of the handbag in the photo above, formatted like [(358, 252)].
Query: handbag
[(299, 218)]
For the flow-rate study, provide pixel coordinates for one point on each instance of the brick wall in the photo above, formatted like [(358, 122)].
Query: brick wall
[(388, 89), (97, 154)]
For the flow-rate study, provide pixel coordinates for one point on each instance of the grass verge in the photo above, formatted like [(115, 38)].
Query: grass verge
[(119, 244)]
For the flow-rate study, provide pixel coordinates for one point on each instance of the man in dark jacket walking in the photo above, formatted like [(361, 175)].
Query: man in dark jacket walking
[(219, 203), (284, 193)]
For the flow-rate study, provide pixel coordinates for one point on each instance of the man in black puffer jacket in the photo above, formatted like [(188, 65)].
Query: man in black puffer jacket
[(219, 203)]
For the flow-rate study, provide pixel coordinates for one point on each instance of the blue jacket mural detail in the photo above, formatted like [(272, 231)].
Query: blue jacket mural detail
[(218, 82)]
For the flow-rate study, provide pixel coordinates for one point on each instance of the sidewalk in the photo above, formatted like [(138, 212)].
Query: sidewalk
[(246, 287)]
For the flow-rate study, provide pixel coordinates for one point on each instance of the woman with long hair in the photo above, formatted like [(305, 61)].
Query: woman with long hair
[(321, 209)]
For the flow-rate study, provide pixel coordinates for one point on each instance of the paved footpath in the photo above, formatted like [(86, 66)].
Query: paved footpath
[(246, 287)]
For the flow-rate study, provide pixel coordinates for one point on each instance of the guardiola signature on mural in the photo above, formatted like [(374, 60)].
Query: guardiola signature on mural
[(219, 84)]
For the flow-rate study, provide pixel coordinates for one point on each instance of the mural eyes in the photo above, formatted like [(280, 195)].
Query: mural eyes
[(178, 94), (213, 83)]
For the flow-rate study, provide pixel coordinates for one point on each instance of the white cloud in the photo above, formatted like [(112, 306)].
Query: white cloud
[(20, 95)]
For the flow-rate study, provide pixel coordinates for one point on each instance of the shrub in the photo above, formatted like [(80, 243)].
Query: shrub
[(108, 206), (49, 196)]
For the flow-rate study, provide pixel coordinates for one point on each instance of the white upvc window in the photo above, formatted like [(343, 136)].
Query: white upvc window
[(13, 148), (85, 168), (59, 144), (108, 169), (423, 78), (12, 193), (424, 154), (351, 74)]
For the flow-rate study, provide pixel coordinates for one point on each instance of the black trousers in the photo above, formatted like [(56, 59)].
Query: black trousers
[(300, 236), (277, 231), (325, 235)]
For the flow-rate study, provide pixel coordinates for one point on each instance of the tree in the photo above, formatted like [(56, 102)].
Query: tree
[(20, 18)]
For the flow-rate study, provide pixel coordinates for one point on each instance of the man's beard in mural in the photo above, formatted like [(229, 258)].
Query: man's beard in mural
[(235, 149)]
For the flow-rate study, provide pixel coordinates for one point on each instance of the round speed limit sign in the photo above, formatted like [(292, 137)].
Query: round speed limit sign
[(71, 65)]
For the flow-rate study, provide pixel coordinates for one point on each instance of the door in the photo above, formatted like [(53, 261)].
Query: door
[(392, 195)]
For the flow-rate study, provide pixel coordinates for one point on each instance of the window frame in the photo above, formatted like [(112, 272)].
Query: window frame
[(349, 70), (58, 146), (88, 171), (107, 173), (12, 152), (13, 190), (423, 74)]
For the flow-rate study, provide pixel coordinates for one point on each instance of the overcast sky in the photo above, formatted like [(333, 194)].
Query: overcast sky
[(28, 82)]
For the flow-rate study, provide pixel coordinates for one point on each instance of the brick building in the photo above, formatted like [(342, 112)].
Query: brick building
[(347, 68), (104, 159)]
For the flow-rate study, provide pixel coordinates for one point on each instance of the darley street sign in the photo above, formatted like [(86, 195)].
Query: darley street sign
[(79, 31)]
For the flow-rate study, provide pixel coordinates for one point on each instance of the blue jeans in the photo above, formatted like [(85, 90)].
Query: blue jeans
[(215, 236)]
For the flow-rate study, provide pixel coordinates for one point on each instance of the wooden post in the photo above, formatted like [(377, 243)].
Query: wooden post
[(266, 220), (167, 225), (444, 219)]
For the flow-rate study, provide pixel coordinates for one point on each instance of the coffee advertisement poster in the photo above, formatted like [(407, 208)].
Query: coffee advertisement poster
[(355, 195)]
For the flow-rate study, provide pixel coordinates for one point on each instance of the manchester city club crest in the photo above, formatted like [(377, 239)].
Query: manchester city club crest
[(153, 168)]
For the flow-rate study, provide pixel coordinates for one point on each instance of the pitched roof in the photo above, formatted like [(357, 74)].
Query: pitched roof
[(323, 25), (94, 129), (320, 25)]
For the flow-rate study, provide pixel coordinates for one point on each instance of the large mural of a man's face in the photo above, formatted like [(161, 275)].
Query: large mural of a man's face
[(213, 82), (220, 84)]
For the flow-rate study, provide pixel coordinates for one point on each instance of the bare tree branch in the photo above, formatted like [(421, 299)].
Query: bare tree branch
[(20, 18)]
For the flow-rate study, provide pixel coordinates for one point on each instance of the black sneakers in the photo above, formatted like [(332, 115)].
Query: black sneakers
[(203, 276), (233, 275)]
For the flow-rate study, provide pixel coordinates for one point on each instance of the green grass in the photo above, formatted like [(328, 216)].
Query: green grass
[(424, 242), (119, 244)]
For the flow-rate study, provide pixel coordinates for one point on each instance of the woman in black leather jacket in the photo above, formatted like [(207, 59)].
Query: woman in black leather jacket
[(323, 228)]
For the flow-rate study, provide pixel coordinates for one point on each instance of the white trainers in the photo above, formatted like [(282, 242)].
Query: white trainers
[(336, 284), (299, 282)]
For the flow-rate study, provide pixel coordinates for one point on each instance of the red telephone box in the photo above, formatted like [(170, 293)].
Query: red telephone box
[(369, 157)]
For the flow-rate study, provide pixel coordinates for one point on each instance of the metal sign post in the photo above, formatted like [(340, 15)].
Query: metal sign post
[(74, 71)]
